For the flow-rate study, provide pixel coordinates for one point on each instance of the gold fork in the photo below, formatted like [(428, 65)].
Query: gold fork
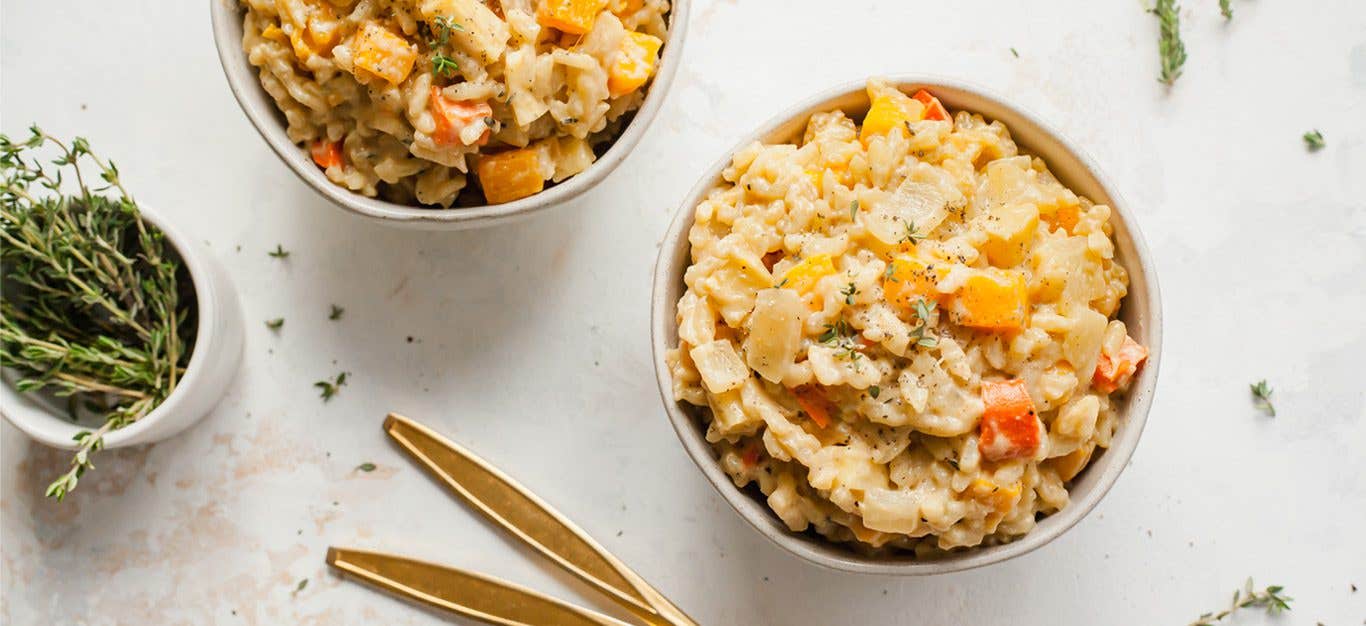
[(510, 505)]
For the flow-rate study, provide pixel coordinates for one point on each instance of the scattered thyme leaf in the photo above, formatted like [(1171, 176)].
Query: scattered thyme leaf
[(875, 391), (1270, 598), (443, 65), (279, 252), (366, 467), (781, 283), (336, 313), (921, 335), (841, 336), (300, 587), (849, 291), (1261, 397), (1014, 52), (912, 235), (1170, 48), (276, 323), (1313, 140), (1226, 8), (329, 388), (853, 210)]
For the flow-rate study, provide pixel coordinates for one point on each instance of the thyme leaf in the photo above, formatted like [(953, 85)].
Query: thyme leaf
[(329, 388), (1261, 397), (1271, 598), (1313, 140)]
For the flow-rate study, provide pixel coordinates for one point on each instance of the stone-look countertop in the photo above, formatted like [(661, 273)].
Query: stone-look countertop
[(529, 343)]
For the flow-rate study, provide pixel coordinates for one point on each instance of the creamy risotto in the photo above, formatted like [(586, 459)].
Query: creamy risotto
[(416, 100), (903, 331)]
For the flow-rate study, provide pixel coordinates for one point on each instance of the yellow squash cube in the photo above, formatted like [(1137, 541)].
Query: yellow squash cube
[(910, 278), (890, 109), (510, 175), (992, 299), (634, 63), (379, 51), (804, 275), (570, 16)]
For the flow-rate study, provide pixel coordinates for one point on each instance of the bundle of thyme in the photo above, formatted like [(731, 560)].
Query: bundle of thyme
[(92, 299)]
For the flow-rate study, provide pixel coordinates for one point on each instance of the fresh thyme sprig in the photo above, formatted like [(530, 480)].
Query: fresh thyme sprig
[(1261, 396), (441, 28), (912, 235), (841, 336), (921, 335), (91, 307), (1270, 598), (1313, 140), (849, 291), (1169, 45)]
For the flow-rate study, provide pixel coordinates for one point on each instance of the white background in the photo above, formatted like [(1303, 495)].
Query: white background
[(530, 342)]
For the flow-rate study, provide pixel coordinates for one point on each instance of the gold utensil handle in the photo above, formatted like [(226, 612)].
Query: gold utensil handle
[(521, 513), (467, 593)]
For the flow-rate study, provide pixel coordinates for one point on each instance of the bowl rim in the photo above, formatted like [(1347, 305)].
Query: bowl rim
[(261, 111), (674, 258), (56, 432)]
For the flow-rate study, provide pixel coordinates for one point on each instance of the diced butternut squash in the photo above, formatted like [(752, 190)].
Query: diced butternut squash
[(1065, 216), (1115, 371), (812, 400), (1010, 429), (890, 112), (1001, 498), (991, 299), (804, 275), (570, 16), (623, 9), (1009, 229), (511, 175), (634, 63), (379, 51), (910, 278), (322, 28), (327, 153), (274, 33), (934, 110), (453, 117)]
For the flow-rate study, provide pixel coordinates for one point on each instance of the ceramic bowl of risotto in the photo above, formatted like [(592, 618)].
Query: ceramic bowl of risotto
[(905, 327), (450, 114)]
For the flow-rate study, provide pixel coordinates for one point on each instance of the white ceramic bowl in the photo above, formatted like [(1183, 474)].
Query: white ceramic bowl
[(260, 109), (1141, 312), (212, 366)]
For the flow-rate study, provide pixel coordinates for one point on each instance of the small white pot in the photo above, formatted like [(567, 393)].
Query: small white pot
[(213, 363)]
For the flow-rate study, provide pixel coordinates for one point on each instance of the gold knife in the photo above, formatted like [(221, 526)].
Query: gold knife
[(467, 593), (521, 513)]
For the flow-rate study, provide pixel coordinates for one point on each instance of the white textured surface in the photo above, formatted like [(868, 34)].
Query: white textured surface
[(529, 341)]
